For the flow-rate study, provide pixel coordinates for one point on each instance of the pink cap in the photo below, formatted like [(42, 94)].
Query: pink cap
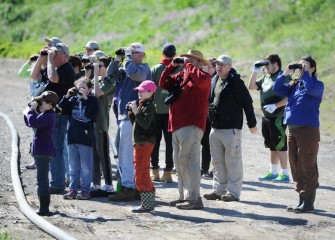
[(146, 85)]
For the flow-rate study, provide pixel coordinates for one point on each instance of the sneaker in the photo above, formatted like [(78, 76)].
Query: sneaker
[(229, 198), (95, 188), (72, 194), (30, 166), (174, 171), (207, 175), (212, 196), (191, 204), (84, 195), (282, 178), (268, 177), (107, 188)]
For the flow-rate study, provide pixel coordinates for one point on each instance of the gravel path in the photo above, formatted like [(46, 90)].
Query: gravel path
[(261, 213)]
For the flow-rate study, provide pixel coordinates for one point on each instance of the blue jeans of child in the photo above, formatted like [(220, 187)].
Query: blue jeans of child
[(81, 166), (57, 166), (42, 175)]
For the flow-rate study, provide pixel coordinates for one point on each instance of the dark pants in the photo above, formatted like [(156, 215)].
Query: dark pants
[(205, 151), (162, 126), (42, 175), (101, 157), (303, 146)]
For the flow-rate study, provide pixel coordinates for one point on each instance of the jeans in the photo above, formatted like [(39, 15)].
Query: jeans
[(126, 157), (57, 166), (162, 126), (81, 165), (186, 156), (205, 151), (42, 175)]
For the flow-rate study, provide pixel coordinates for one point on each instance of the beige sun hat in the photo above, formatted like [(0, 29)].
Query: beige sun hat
[(197, 55)]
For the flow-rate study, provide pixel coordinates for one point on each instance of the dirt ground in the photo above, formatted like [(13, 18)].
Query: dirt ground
[(260, 214)]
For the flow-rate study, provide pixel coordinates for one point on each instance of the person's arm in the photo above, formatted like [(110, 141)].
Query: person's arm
[(200, 78), (314, 87), (52, 71), (248, 107), (92, 108), (167, 80), (279, 86), (35, 73), (145, 116), (97, 90)]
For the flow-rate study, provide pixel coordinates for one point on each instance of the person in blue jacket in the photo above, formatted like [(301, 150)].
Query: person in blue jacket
[(302, 118), (80, 134), (42, 117)]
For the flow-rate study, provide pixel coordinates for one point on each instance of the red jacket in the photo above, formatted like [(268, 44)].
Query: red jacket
[(191, 106)]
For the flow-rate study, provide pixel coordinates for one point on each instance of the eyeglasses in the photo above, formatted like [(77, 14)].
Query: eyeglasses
[(59, 46)]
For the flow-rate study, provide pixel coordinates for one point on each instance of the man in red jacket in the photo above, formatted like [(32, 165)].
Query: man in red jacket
[(187, 121)]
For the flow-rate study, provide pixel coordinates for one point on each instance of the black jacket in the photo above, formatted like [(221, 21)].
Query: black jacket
[(229, 105)]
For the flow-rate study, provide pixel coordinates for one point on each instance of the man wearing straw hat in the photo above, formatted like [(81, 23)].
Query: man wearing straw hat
[(187, 121)]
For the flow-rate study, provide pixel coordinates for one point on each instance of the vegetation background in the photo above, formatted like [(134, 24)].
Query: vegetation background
[(248, 30)]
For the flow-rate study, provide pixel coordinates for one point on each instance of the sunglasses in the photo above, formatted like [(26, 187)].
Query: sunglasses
[(59, 46)]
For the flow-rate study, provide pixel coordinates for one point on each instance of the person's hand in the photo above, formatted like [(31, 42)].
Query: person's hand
[(128, 52), (253, 130), (270, 108), (255, 68), (120, 54), (71, 92), (34, 105), (178, 61), (133, 107)]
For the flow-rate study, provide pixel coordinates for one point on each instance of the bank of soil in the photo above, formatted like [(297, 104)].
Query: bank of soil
[(261, 213)]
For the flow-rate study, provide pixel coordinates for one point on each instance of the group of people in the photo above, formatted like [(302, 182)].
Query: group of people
[(206, 102)]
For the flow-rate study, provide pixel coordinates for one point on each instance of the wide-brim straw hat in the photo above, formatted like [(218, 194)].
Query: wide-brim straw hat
[(197, 55)]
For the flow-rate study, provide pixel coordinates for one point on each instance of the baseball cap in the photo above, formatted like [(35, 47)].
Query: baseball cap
[(61, 47), (53, 40), (224, 59), (98, 54), (137, 47), (92, 45), (169, 49), (146, 85), (49, 97)]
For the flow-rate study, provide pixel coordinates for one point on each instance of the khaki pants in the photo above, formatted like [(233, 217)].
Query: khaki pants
[(303, 147), (226, 154), (186, 157)]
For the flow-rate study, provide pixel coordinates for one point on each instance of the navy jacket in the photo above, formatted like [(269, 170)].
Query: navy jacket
[(44, 123), (83, 115)]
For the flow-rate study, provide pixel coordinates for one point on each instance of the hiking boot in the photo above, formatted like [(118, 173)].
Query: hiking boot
[(167, 178), (268, 177), (229, 198), (84, 195), (107, 188), (127, 194), (72, 194), (155, 175), (212, 196), (282, 178), (174, 171), (191, 204), (207, 175), (175, 202)]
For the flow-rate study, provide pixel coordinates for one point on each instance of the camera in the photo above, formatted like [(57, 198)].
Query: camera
[(38, 102), (295, 66), (178, 60), (90, 66), (261, 63), (44, 52), (120, 52), (128, 108)]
